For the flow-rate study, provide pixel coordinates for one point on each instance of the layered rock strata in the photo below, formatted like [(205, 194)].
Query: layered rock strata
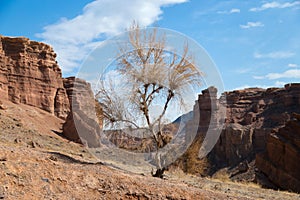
[(252, 114), (29, 74), (281, 161)]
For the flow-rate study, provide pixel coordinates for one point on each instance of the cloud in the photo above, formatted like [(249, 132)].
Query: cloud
[(74, 38), (233, 10), (252, 86), (275, 54), (275, 4), (276, 84), (252, 25), (243, 70), (292, 65), (292, 73), (258, 77), (280, 83)]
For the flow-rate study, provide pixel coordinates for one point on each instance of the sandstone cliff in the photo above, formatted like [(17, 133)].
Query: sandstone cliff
[(281, 161), (251, 116), (29, 74)]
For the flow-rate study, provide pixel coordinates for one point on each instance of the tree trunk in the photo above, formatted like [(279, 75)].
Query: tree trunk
[(159, 173)]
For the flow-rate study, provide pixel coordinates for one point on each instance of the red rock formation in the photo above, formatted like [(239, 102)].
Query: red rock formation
[(83, 124), (29, 74), (281, 161), (251, 116)]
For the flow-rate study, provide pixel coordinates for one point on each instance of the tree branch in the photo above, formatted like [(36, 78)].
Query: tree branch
[(170, 96)]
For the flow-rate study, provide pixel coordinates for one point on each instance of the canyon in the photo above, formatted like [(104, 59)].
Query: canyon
[(261, 128)]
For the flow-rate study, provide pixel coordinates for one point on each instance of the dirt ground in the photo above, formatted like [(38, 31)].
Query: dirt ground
[(37, 163)]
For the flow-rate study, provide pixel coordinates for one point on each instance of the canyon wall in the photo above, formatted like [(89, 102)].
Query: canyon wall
[(29, 74), (252, 114), (281, 160), (251, 117)]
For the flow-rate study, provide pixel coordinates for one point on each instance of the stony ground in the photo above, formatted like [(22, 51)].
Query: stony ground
[(37, 163)]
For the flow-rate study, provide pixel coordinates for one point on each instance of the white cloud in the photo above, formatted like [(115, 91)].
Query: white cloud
[(252, 86), (279, 83), (275, 4), (292, 65), (233, 10), (243, 70), (74, 38), (292, 73), (258, 77), (276, 84), (252, 25), (275, 54)]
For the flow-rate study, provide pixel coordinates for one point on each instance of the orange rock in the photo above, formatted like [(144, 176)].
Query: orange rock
[(29, 74)]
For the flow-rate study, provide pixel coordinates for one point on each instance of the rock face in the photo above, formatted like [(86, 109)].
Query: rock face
[(251, 116), (206, 121), (281, 161), (29, 74), (83, 124)]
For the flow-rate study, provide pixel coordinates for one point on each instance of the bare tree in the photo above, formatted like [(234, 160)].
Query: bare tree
[(149, 74)]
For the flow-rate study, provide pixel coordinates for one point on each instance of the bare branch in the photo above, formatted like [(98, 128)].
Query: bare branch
[(151, 75)]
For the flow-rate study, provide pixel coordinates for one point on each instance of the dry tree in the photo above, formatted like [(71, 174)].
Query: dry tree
[(147, 73)]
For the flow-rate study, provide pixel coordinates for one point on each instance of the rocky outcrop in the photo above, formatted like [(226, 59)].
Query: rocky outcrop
[(29, 74), (251, 116), (281, 161), (83, 124), (205, 121)]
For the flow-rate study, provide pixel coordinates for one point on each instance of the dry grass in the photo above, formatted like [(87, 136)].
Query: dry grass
[(190, 163), (177, 172), (249, 184), (222, 175)]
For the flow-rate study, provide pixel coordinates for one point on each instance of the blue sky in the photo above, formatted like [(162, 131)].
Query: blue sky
[(253, 43)]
